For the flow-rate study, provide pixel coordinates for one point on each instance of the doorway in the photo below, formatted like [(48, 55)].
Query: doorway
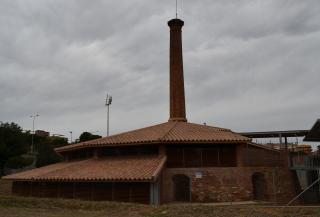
[(181, 186), (259, 186)]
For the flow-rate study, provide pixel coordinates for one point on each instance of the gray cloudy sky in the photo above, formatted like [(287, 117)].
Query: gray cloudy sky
[(249, 65)]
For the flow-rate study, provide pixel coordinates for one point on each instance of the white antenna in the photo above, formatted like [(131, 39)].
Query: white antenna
[(108, 103)]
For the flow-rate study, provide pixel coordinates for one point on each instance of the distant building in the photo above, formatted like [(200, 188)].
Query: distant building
[(292, 147), (42, 133), (304, 148)]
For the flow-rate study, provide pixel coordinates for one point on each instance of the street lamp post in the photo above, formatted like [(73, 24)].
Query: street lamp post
[(32, 135), (70, 136), (108, 103)]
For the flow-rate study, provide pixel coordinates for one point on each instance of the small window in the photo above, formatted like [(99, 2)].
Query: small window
[(210, 157), (192, 157), (175, 157), (228, 156)]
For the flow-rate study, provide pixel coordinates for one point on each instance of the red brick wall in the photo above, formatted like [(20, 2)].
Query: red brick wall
[(259, 157), (231, 184)]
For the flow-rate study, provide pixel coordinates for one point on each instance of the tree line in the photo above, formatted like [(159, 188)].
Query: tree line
[(15, 146)]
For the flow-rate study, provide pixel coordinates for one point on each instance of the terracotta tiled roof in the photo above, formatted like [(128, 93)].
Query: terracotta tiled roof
[(169, 132), (136, 168)]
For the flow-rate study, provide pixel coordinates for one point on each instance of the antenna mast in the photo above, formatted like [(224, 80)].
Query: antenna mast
[(176, 9)]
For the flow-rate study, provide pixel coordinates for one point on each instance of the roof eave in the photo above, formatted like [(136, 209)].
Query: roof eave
[(66, 149)]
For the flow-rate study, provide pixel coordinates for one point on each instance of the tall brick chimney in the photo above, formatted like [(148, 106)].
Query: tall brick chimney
[(177, 99)]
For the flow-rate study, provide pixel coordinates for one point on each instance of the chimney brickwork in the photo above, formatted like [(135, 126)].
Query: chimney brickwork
[(177, 97)]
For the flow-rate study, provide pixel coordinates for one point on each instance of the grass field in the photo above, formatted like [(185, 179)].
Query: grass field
[(38, 207)]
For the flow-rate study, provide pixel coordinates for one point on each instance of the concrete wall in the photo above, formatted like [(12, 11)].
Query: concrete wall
[(221, 184)]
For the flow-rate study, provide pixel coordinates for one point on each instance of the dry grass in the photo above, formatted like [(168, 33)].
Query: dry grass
[(38, 207)]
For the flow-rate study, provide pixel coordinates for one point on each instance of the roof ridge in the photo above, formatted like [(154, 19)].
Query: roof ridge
[(85, 143), (217, 128), (159, 168), (165, 134)]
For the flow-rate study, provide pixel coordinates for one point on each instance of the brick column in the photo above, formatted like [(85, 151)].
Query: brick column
[(177, 98), (241, 148)]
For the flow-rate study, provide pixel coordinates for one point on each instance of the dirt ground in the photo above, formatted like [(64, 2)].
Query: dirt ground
[(39, 207)]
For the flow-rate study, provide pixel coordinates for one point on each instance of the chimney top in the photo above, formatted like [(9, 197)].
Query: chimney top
[(175, 22)]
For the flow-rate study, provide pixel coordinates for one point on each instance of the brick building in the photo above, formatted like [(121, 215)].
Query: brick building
[(172, 161), (42, 133)]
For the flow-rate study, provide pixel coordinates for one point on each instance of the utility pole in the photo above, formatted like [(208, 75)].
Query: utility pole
[(32, 135), (108, 103)]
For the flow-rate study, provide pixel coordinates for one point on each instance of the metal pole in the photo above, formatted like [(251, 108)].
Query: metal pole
[(302, 192), (176, 9), (32, 134), (286, 142), (108, 121), (247, 155), (280, 140), (108, 103)]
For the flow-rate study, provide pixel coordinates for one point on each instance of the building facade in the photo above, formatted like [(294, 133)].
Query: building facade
[(168, 162)]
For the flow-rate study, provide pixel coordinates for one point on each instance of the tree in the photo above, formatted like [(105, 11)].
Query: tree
[(86, 136), (56, 141), (15, 147), (13, 143), (46, 155), (45, 148), (19, 161)]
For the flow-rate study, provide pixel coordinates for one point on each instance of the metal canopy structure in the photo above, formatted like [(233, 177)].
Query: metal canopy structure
[(273, 134), (312, 135)]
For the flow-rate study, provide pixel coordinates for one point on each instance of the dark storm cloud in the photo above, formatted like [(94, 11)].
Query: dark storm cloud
[(249, 65)]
